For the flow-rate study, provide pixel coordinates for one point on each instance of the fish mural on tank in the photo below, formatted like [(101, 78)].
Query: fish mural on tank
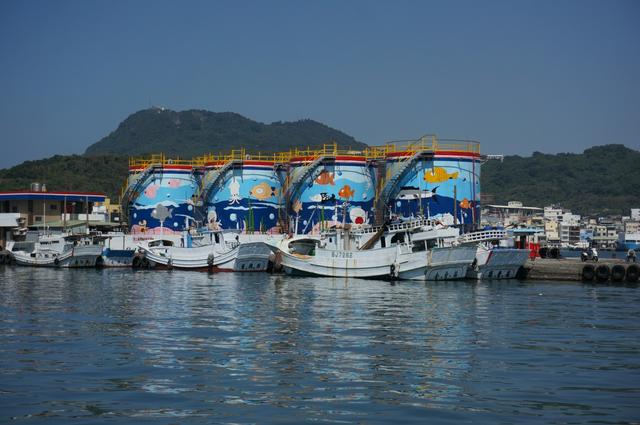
[(165, 203), (248, 198), (342, 192), (444, 185)]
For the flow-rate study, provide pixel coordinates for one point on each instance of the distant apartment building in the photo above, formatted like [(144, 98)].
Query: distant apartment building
[(605, 236), (553, 213), (569, 230), (632, 227), (514, 213), (551, 231), (635, 214)]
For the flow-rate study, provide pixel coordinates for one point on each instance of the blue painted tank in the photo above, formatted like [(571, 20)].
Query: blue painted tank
[(341, 190), (165, 201), (248, 197), (444, 183)]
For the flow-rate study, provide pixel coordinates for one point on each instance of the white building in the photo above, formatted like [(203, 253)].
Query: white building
[(553, 213)]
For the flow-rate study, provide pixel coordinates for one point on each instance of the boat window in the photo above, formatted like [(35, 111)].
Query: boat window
[(383, 242), (162, 242), (418, 246), (431, 243), (397, 238), (217, 236)]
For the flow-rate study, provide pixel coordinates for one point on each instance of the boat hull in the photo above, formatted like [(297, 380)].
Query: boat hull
[(498, 263), (118, 257), (376, 263), (446, 263), (198, 258), (88, 256)]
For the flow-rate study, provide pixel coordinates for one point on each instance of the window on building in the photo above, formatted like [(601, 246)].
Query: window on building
[(14, 209), (53, 207), (38, 218)]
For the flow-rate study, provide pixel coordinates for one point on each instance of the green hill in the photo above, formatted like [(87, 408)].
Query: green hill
[(195, 132), (602, 180)]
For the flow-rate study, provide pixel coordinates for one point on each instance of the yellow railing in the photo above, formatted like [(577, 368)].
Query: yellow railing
[(433, 144), (158, 159), (371, 152), (242, 154)]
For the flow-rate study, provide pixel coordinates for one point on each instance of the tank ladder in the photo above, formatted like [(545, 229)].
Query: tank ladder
[(213, 178), (309, 172), (391, 186), (133, 189)]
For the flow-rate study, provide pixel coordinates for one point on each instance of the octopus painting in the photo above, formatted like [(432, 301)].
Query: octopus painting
[(234, 190)]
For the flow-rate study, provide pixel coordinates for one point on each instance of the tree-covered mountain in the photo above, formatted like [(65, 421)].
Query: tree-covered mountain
[(196, 132), (603, 179)]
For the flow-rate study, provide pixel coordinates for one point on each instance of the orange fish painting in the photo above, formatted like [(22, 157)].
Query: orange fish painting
[(346, 192), (465, 203), (324, 178), (263, 191), (439, 175)]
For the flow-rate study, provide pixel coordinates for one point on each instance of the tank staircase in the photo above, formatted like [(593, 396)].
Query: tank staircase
[(391, 188), (213, 178), (310, 172), (140, 179)]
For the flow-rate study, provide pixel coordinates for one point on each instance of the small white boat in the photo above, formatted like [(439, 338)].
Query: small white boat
[(495, 256), (204, 251), (73, 251)]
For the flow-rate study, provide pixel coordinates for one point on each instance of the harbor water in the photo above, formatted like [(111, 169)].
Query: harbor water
[(120, 347)]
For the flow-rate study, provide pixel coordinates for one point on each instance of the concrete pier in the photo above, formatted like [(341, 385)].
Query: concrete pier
[(573, 269)]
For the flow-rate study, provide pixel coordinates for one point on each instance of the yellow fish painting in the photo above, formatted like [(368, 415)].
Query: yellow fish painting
[(439, 175)]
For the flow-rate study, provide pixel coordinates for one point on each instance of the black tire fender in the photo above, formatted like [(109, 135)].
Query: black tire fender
[(602, 273), (588, 273), (632, 273), (617, 273)]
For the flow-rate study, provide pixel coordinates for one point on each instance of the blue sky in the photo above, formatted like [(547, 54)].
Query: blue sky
[(519, 76)]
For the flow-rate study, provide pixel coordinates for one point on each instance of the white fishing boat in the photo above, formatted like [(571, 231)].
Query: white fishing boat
[(398, 250), (203, 251), (73, 251), (495, 258), (336, 255)]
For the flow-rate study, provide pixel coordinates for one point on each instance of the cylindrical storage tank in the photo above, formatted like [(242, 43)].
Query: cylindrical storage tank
[(340, 190), (164, 201), (248, 197), (443, 183)]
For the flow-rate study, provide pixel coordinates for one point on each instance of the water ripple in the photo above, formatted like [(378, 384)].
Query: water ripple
[(120, 346)]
